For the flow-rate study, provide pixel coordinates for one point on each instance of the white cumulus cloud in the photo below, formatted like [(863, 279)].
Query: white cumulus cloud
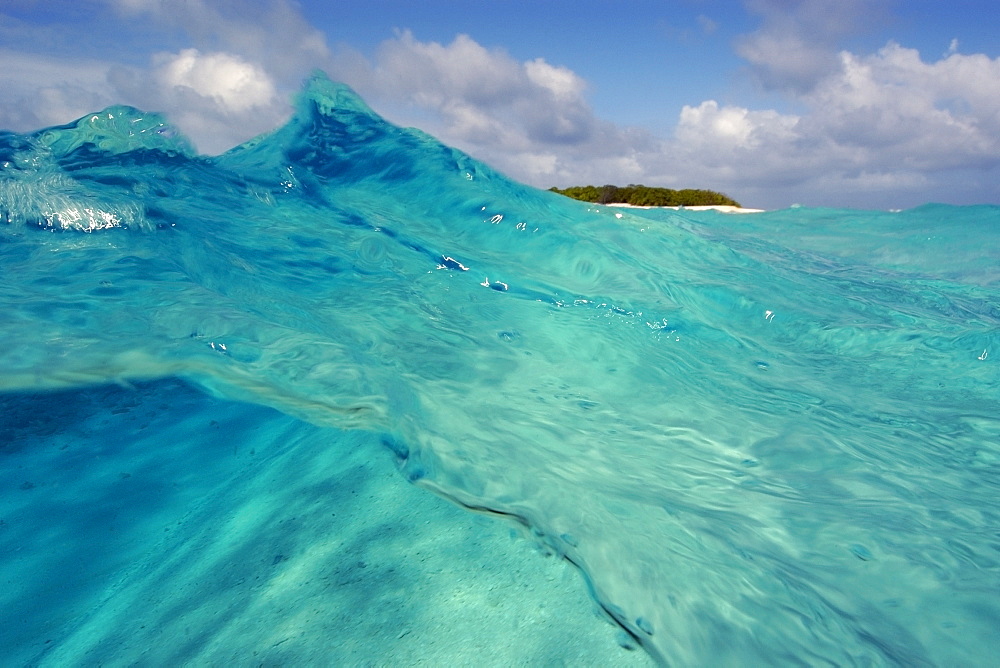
[(221, 71), (561, 81), (796, 44), (888, 121), (904, 111), (529, 118), (732, 127), (235, 84)]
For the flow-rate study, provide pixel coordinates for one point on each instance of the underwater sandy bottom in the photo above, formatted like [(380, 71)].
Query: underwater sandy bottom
[(154, 525)]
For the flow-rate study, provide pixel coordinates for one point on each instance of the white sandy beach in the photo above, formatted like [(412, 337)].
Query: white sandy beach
[(724, 208)]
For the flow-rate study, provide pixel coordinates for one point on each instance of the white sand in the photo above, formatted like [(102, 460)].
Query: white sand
[(724, 208)]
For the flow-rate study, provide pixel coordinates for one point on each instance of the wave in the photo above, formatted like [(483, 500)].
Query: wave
[(765, 440)]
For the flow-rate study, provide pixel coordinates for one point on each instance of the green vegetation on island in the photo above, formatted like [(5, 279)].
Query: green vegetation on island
[(639, 195)]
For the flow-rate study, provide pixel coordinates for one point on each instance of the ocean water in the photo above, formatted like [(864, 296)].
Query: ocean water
[(741, 439)]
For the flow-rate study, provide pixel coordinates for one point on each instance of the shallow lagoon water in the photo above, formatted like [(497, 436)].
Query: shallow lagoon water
[(154, 525), (763, 438)]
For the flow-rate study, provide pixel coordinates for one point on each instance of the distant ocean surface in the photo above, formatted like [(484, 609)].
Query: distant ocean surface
[(764, 439)]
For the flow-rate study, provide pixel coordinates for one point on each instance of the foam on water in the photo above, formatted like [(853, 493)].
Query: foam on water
[(769, 438)]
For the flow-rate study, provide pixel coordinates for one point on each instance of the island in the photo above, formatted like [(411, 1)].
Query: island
[(647, 196)]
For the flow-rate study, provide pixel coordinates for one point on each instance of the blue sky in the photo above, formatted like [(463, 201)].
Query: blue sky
[(855, 103)]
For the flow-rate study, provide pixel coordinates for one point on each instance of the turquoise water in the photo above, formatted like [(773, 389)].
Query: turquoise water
[(761, 438)]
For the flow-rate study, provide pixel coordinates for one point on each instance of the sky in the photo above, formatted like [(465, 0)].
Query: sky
[(877, 104)]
